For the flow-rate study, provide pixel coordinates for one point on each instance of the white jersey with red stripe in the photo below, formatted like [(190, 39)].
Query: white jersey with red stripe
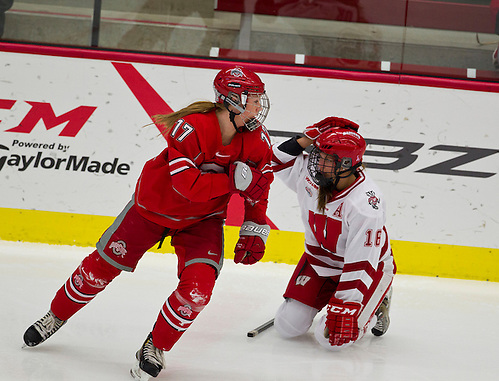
[(349, 241)]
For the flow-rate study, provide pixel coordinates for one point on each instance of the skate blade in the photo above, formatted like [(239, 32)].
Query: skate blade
[(138, 374)]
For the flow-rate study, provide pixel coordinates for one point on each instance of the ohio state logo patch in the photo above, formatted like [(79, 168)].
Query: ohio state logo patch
[(78, 280), (236, 72), (118, 248), (185, 310), (372, 199)]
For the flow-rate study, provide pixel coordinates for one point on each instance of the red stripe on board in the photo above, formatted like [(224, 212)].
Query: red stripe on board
[(148, 98)]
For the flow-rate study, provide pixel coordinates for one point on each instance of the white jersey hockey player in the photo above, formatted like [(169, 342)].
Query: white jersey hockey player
[(348, 264)]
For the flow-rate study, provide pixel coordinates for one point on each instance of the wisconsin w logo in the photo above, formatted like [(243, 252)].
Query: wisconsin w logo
[(302, 280)]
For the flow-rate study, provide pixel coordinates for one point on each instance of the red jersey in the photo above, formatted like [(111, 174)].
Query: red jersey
[(189, 181)]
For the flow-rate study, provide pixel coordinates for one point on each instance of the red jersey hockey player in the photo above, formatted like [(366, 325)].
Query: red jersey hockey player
[(214, 150), (348, 265)]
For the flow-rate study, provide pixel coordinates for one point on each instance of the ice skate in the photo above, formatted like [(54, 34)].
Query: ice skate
[(383, 316), (150, 361), (42, 329)]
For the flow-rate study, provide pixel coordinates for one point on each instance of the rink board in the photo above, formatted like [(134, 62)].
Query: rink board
[(412, 258), (75, 133)]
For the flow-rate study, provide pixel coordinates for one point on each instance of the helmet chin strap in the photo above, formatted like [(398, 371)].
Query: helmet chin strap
[(327, 182), (232, 117), (323, 180)]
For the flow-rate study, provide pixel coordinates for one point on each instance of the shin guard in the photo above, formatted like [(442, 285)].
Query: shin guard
[(184, 304), (91, 277)]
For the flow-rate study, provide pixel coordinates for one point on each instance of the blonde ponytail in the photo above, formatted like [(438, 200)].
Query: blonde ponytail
[(166, 121)]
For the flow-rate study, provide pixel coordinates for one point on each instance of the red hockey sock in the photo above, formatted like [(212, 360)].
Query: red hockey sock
[(184, 304), (90, 278)]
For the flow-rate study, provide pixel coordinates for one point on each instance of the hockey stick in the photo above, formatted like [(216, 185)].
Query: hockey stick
[(484, 43), (261, 328)]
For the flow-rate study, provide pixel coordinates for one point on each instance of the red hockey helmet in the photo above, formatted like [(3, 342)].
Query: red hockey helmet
[(233, 87), (336, 154)]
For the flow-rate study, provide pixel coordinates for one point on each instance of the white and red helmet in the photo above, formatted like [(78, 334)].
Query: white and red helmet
[(336, 154), (233, 86)]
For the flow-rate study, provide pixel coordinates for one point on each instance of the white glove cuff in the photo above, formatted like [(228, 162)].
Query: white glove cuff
[(251, 228)]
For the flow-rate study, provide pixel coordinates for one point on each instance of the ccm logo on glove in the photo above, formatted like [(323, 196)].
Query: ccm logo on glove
[(343, 310)]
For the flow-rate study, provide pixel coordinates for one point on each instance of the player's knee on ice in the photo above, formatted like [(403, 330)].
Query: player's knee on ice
[(294, 318)]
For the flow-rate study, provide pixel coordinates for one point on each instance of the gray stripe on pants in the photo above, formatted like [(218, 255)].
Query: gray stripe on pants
[(104, 239)]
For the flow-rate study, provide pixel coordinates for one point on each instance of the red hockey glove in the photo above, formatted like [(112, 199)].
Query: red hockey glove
[(251, 245), (314, 131), (342, 321), (249, 182)]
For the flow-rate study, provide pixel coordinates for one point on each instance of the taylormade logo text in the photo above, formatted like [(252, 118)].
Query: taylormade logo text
[(70, 163)]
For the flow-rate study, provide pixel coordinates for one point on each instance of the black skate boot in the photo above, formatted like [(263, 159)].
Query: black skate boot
[(383, 316), (150, 361), (42, 329)]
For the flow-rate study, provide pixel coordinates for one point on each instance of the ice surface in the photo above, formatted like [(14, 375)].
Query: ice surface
[(442, 329)]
